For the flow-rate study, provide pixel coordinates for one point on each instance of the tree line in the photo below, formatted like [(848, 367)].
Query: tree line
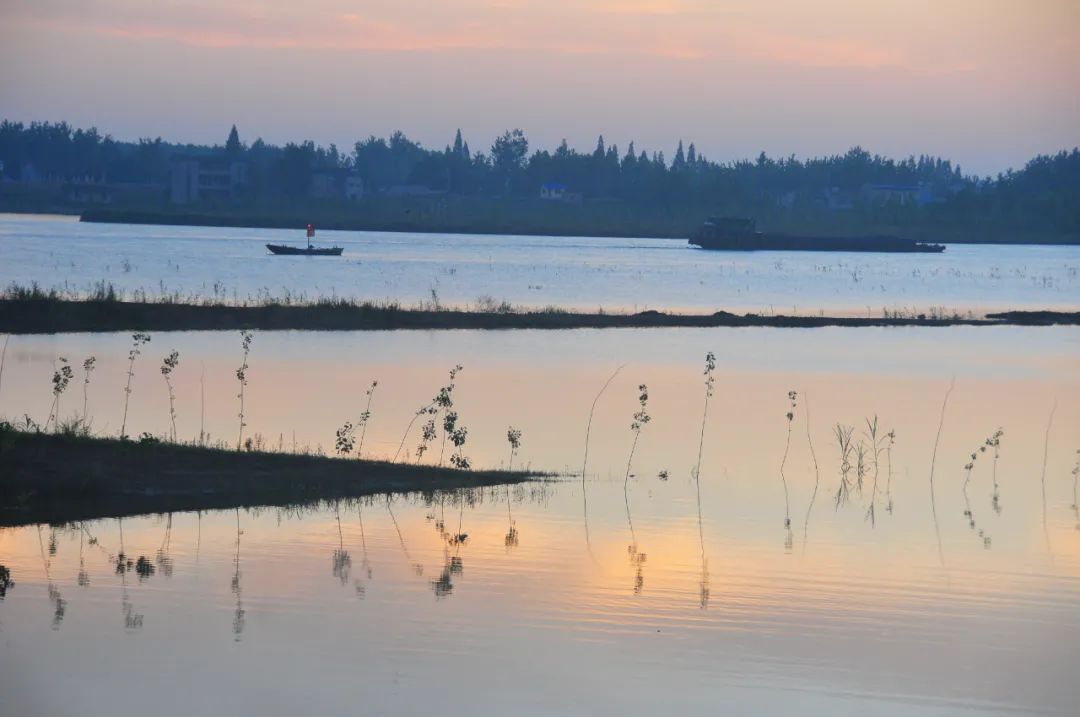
[(1045, 193)]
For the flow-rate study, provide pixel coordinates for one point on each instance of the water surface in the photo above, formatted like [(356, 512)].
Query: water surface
[(571, 272), (570, 597)]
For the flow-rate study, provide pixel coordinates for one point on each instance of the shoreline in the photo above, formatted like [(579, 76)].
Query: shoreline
[(58, 478), (44, 314), (665, 229)]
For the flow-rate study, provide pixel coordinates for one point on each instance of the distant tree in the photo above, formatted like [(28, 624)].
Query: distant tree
[(294, 169), (232, 144), (679, 163), (509, 150)]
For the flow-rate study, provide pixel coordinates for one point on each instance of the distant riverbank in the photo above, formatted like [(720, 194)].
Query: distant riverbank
[(31, 311), (406, 220), (59, 478), (536, 218)]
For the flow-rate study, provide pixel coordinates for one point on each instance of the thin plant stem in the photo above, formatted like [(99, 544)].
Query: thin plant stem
[(367, 418), (1042, 479), (408, 428), (783, 478), (817, 473), (585, 460), (933, 463)]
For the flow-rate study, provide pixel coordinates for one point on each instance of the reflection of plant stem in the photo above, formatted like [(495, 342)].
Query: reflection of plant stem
[(1046, 453), (511, 538), (1076, 476), (585, 460), (817, 473), (995, 499), (340, 560), (238, 615), (416, 567), (363, 539), (461, 510), (629, 521), (703, 587), (783, 478), (933, 462), (202, 403), (3, 359)]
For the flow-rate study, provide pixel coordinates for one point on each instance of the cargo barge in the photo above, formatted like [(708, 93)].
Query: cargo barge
[(740, 234)]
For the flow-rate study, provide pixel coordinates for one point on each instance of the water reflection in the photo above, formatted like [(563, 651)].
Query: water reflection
[(1075, 479), (416, 567), (365, 565), (1042, 478), (868, 612), (817, 474), (933, 464), (511, 539), (6, 583), (340, 561), (585, 459), (239, 615), (59, 604), (163, 560)]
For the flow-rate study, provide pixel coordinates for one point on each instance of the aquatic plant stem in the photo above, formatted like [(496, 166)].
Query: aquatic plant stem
[(585, 460), (408, 428), (367, 418), (817, 473), (1042, 479), (783, 478), (933, 462)]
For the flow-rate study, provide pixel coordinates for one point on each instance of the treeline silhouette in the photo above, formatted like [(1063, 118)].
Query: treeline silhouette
[(854, 190)]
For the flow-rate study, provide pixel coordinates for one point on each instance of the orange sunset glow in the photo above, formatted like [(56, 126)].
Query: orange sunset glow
[(988, 83)]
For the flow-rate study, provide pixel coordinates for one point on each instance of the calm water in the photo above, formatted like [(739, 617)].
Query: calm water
[(616, 274), (572, 598)]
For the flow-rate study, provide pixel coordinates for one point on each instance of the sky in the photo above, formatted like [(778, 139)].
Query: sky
[(988, 83)]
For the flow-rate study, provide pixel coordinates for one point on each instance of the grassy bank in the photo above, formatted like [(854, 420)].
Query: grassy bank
[(33, 311), (56, 478)]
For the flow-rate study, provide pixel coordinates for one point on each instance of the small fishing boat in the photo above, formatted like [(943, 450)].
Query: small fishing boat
[(309, 250), (286, 250)]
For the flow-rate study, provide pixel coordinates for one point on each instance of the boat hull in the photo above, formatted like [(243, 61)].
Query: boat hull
[(284, 250), (801, 243)]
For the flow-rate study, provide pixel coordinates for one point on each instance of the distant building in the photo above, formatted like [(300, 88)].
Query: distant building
[(336, 184), (553, 190), (411, 190), (904, 194), (29, 174), (898, 194), (354, 186), (213, 177), (837, 200), (88, 192), (557, 192)]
